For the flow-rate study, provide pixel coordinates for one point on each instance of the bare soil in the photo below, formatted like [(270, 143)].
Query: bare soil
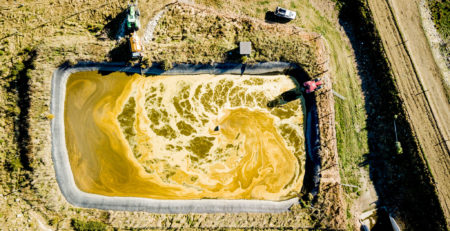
[(420, 87)]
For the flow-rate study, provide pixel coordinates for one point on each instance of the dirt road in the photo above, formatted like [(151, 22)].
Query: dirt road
[(419, 83), (409, 21)]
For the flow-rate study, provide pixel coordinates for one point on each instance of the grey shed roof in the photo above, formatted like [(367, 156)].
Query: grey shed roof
[(245, 48)]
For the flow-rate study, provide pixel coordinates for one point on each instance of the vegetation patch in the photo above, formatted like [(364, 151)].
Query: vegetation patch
[(440, 13), (79, 225), (190, 35), (18, 160)]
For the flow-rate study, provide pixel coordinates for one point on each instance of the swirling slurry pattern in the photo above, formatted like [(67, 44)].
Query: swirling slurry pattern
[(184, 137)]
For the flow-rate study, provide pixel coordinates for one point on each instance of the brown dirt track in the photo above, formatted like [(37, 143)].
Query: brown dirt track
[(420, 87)]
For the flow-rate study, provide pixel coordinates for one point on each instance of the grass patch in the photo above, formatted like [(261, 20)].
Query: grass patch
[(440, 11), (350, 114), (50, 32), (17, 93), (79, 225)]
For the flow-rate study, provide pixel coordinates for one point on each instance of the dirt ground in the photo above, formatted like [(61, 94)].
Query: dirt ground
[(420, 87)]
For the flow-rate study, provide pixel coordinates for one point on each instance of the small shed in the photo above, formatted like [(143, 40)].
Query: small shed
[(245, 48)]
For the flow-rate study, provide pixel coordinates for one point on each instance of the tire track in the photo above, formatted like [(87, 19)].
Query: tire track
[(415, 98)]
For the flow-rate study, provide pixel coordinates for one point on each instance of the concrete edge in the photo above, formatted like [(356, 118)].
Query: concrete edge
[(79, 198)]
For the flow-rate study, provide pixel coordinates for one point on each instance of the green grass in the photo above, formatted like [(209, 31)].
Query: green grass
[(350, 114), (181, 37), (414, 191), (440, 11), (79, 225)]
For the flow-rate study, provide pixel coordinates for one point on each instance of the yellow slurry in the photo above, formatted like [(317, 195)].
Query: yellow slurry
[(184, 137)]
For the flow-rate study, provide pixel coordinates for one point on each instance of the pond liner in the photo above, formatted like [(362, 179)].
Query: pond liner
[(75, 196), (267, 68), (312, 139)]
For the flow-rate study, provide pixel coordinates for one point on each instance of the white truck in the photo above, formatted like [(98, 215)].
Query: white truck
[(284, 13)]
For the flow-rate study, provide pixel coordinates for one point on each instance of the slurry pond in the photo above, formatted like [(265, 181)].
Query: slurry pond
[(184, 136), (211, 140)]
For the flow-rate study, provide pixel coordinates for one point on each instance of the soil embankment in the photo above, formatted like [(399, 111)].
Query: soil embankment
[(330, 191), (420, 87)]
